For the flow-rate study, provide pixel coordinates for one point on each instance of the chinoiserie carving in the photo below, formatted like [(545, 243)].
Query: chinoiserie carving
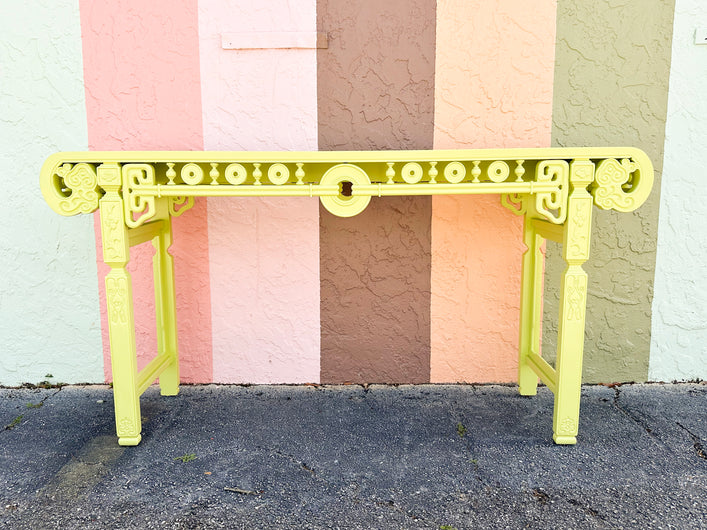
[(72, 189), (112, 232), (126, 426), (579, 230), (568, 425), (622, 186), (117, 296), (552, 204), (576, 286), (179, 205), (134, 176), (515, 202)]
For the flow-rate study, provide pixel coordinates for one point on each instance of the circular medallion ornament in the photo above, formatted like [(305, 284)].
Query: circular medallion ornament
[(344, 175)]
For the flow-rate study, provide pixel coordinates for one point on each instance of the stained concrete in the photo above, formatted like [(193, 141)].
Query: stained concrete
[(383, 457)]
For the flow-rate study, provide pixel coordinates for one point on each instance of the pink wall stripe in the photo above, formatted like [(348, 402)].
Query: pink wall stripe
[(493, 88), (264, 254), (141, 73)]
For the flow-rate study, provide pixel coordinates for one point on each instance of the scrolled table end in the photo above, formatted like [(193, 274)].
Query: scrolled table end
[(623, 185), (69, 189)]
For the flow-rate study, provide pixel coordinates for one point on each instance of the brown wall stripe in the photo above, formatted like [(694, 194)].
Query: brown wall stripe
[(375, 85)]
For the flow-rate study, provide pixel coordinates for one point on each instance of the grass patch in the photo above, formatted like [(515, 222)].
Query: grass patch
[(14, 423), (461, 430)]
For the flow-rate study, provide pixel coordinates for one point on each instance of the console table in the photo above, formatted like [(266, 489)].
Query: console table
[(138, 193)]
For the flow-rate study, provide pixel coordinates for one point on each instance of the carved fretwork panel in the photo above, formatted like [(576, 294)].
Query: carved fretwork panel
[(346, 181)]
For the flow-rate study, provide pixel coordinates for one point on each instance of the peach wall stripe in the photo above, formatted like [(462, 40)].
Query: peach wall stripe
[(493, 88), (264, 253), (141, 74)]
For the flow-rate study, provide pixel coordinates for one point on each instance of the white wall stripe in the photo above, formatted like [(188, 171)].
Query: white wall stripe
[(679, 323), (49, 316)]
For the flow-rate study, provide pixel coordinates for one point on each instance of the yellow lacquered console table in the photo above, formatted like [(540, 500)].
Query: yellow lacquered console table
[(138, 193)]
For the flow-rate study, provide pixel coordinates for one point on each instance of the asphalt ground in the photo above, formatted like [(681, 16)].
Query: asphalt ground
[(376, 457)]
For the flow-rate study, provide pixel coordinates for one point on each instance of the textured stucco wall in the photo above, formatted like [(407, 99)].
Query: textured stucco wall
[(679, 332), (141, 73), (611, 86), (49, 319), (375, 91), (264, 253), (493, 88)]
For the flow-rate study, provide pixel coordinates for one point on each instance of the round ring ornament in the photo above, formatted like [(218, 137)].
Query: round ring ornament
[(342, 205), (498, 171), (412, 172), (236, 174), (454, 172), (192, 174), (278, 174)]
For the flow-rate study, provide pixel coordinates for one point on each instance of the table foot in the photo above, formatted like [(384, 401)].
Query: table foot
[(564, 440), (129, 440)]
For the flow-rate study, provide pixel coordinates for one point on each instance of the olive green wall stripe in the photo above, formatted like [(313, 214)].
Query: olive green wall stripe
[(611, 88)]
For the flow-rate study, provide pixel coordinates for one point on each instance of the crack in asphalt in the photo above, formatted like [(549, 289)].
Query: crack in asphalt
[(696, 441), (700, 450), (637, 421), (300, 464)]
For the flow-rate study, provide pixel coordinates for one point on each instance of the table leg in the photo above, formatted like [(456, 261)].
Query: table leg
[(165, 307), (530, 307), (573, 305), (119, 301)]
